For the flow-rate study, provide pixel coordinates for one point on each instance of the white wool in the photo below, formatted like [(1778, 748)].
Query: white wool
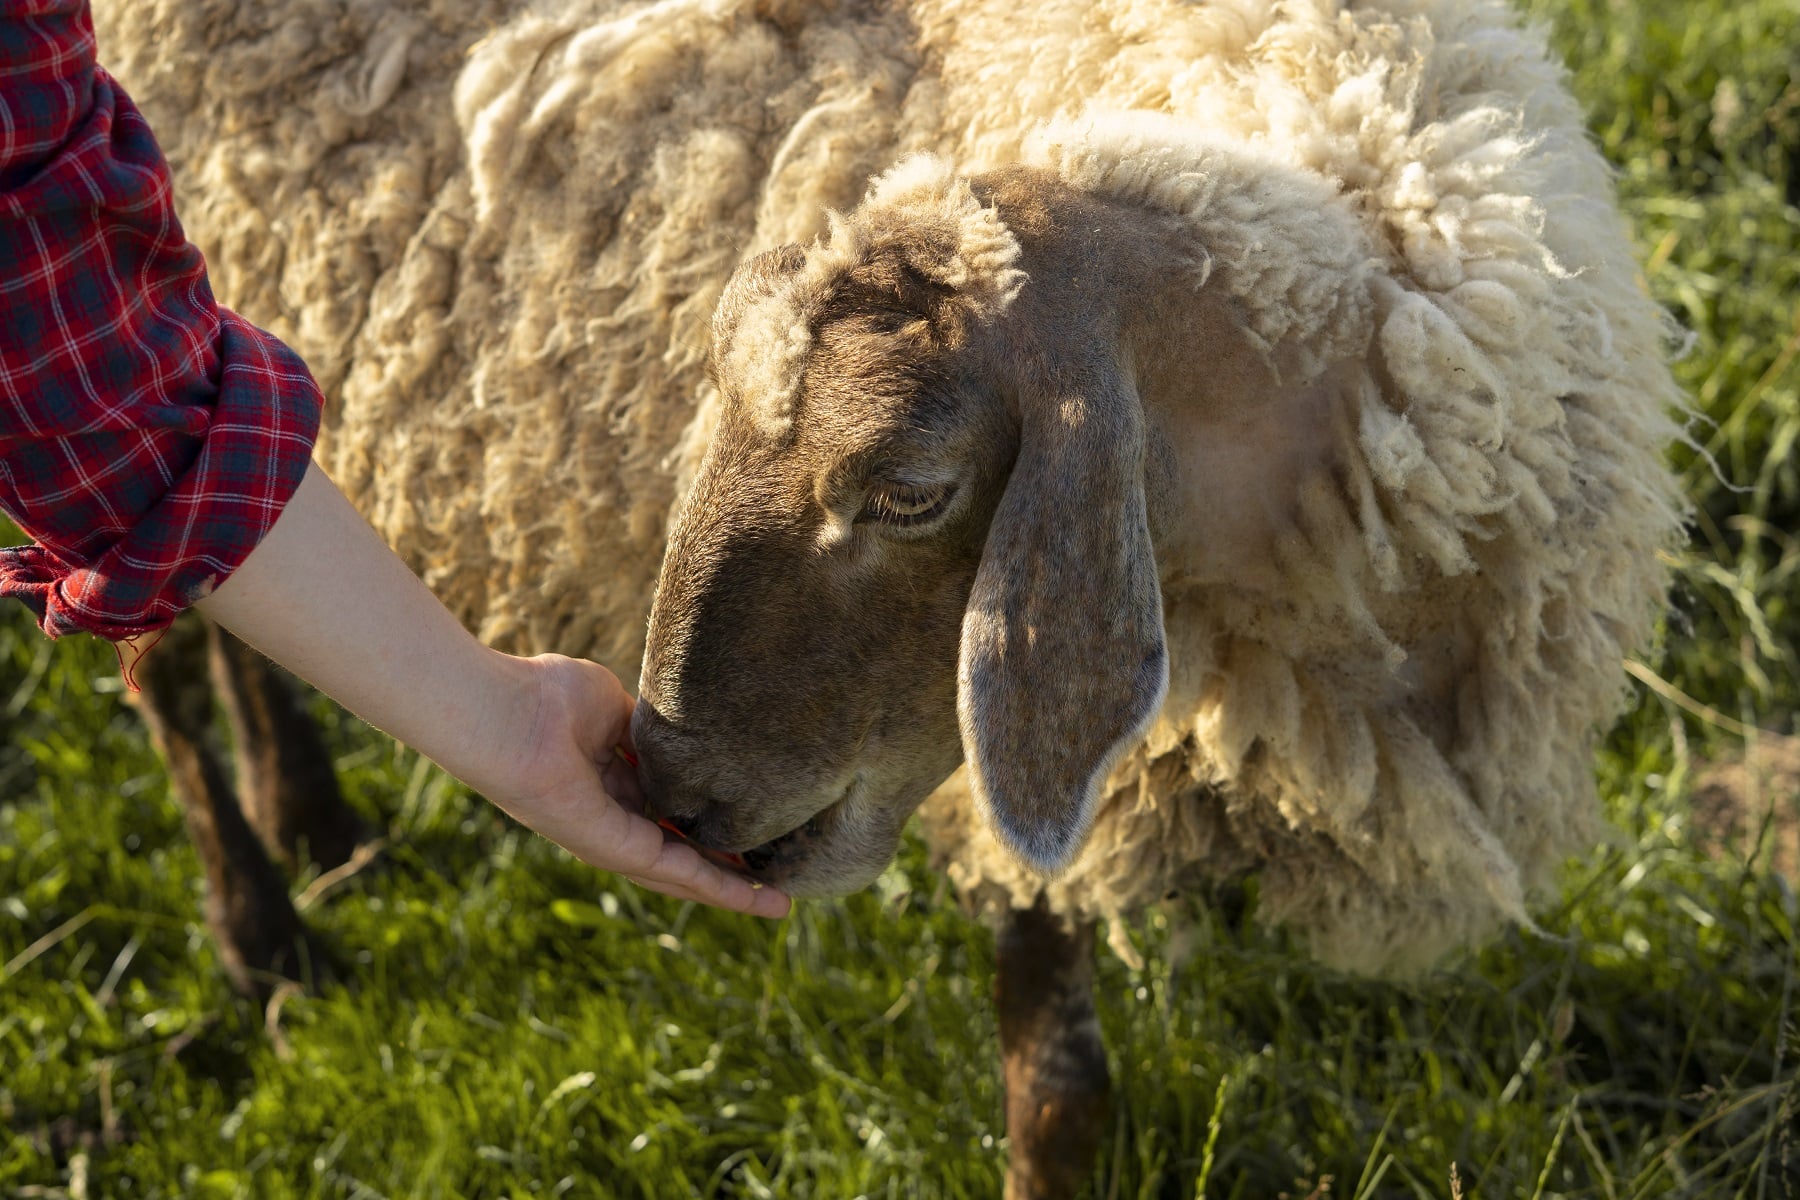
[(982, 269), (768, 355), (773, 336), (497, 231)]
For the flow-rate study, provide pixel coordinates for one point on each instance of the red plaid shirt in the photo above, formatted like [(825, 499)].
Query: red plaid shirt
[(148, 437)]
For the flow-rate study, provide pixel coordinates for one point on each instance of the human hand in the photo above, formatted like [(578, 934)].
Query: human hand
[(569, 782), (322, 596)]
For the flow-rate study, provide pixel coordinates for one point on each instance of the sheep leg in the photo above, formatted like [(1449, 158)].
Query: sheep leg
[(247, 905), (1057, 1088), (285, 775)]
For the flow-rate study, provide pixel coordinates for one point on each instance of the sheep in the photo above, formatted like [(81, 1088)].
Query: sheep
[(1233, 432)]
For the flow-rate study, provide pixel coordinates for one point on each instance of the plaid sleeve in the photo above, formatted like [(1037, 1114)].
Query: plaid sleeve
[(148, 437)]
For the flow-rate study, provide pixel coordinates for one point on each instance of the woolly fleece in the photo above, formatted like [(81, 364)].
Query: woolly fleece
[(497, 232)]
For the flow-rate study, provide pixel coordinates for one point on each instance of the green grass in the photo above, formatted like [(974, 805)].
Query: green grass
[(513, 1025)]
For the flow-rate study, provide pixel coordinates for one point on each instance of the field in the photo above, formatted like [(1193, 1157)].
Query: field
[(504, 1023)]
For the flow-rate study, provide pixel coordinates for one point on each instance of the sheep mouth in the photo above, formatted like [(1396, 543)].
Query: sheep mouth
[(723, 858), (784, 850)]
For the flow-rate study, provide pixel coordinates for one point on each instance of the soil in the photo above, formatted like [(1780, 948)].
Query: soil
[(1751, 798)]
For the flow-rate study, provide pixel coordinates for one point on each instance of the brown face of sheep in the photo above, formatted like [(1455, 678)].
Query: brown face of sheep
[(799, 687), (837, 621)]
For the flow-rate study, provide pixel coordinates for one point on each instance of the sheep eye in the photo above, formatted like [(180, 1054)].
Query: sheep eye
[(906, 504)]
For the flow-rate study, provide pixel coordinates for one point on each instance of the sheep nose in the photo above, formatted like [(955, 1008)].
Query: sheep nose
[(648, 732), (659, 777)]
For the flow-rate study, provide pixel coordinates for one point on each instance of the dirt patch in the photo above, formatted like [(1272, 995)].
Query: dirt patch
[(1736, 798)]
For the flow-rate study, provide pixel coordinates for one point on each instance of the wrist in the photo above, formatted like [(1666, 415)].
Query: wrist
[(488, 743), (325, 598)]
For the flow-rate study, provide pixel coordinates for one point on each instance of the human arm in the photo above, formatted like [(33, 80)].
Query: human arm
[(149, 437), (322, 595)]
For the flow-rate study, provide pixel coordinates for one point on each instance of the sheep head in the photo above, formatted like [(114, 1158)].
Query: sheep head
[(919, 535)]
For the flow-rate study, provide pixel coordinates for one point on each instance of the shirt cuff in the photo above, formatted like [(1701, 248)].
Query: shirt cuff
[(258, 442)]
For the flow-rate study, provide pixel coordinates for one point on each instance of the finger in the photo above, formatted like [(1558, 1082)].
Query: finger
[(638, 849), (771, 903), (598, 703), (759, 902), (682, 868), (678, 892), (619, 779)]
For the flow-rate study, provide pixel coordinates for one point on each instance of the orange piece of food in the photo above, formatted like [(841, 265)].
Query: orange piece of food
[(722, 857)]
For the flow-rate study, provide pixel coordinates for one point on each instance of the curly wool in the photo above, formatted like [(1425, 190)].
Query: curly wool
[(497, 231), (1491, 534)]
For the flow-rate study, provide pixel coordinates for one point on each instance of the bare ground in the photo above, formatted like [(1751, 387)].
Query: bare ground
[(1748, 805)]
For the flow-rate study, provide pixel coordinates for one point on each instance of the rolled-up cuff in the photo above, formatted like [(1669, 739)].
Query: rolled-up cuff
[(258, 442)]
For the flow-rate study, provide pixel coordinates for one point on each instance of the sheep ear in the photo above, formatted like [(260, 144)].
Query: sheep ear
[(1063, 663)]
